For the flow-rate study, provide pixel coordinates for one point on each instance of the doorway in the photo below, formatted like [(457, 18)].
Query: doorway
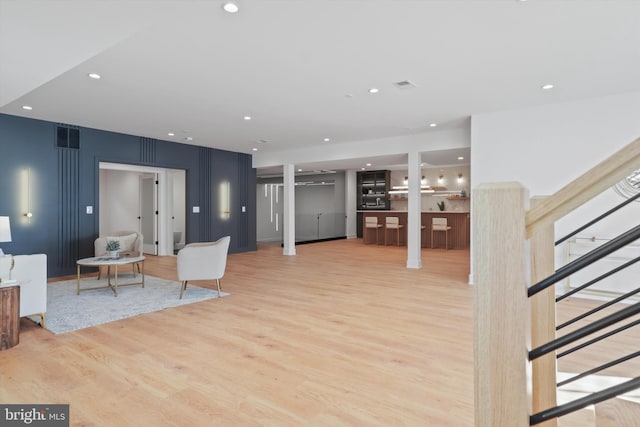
[(145, 199), (148, 212)]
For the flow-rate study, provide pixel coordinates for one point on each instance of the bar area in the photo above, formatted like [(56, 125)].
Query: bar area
[(458, 236), (444, 206)]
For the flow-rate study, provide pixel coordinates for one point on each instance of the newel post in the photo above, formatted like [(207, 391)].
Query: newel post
[(543, 319), (501, 310)]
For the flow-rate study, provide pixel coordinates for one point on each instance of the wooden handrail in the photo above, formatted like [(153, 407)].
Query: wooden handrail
[(584, 188)]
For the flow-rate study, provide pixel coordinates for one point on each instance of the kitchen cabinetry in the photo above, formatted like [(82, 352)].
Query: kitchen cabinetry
[(372, 192)]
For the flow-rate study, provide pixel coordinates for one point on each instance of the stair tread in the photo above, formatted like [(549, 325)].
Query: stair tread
[(582, 418), (618, 413)]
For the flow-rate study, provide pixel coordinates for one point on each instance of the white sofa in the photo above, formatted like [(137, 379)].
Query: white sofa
[(31, 273)]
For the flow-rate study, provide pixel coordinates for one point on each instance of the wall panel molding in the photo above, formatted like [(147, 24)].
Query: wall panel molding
[(205, 168), (148, 149), (68, 207)]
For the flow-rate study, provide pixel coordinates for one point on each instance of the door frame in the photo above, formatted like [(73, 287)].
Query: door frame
[(165, 208)]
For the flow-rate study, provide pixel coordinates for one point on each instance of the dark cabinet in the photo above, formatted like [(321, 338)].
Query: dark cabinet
[(373, 193), (373, 190)]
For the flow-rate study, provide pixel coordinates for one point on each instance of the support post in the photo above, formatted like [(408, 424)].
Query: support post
[(289, 222), (500, 306), (414, 234), (543, 319)]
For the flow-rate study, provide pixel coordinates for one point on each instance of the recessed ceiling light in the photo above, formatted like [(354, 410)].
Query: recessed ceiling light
[(247, 117), (327, 139), (230, 7), (433, 125), (348, 95), (27, 107), (95, 76), (547, 87), (254, 149), (374, 90), (460, 158), (189, 138), (422, 165), (171, 134), (368, 164), (299, 170)]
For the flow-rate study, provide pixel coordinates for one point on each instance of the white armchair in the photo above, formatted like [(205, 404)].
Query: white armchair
[(131, 244), (31, 273), (203, 261)]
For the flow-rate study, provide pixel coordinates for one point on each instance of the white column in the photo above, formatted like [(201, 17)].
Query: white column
[(414, 234), (289, 220), (350, 204)]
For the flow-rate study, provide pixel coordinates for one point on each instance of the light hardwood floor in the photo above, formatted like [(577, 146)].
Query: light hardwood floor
[(342, 334)]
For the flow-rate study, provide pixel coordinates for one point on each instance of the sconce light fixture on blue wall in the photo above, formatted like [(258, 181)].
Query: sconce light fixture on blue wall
[(28, 212)]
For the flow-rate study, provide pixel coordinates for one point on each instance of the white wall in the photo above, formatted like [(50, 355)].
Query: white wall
[(546, 147), (429, 141), (119, 201), (327, 200)]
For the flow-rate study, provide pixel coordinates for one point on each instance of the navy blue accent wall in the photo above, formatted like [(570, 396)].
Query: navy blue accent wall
[(63, 181)]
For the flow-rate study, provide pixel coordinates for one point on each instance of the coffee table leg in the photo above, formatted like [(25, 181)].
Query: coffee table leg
[(78, 267), (116, 278), (142, 273)]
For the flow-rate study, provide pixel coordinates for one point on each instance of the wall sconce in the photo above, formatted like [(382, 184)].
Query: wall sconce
[(440, 179), (406, 180), (224, 200), (460, 178), (28, 214)]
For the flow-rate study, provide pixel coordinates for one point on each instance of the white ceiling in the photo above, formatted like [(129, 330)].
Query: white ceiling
[(302, 69)]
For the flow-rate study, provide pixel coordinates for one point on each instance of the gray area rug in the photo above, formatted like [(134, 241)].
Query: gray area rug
[(68, 312)]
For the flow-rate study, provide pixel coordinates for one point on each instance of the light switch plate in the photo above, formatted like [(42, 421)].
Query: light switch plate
[(196, 209), (89, 210), (244, 209)]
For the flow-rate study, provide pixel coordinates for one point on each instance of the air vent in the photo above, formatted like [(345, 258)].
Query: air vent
[(67, 137), (405, 84)]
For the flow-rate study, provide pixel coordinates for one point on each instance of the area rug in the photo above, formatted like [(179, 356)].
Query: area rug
[(68, 312)]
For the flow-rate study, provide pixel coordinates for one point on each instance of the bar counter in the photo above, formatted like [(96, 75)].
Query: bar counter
[(459, 235)]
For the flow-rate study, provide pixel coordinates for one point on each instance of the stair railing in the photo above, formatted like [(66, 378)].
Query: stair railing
[(507, 324)]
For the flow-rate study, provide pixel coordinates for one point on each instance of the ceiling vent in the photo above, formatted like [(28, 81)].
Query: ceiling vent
[(405, 84)]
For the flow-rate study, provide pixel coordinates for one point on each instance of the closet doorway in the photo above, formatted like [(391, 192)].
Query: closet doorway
[(145, 199)]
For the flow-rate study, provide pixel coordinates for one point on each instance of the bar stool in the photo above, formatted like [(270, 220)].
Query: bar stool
[(371, 223), (423, 241), (392, 223), (440, 224)]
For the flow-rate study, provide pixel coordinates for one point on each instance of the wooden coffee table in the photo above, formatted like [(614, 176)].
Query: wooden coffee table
[(111, 262)]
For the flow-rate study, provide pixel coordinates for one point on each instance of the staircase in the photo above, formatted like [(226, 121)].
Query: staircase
[(516, 346), (621, 411)]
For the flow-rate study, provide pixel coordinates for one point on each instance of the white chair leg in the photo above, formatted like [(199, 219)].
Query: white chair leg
[(218, 281)]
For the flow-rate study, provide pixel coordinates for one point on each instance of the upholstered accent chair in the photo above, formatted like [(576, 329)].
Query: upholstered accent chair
[(203, 261), (130, 245)]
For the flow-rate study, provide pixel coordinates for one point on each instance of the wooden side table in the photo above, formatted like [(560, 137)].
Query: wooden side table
[(9, 316)]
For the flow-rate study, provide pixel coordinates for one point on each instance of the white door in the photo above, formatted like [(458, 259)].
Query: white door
[(149, 212)]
